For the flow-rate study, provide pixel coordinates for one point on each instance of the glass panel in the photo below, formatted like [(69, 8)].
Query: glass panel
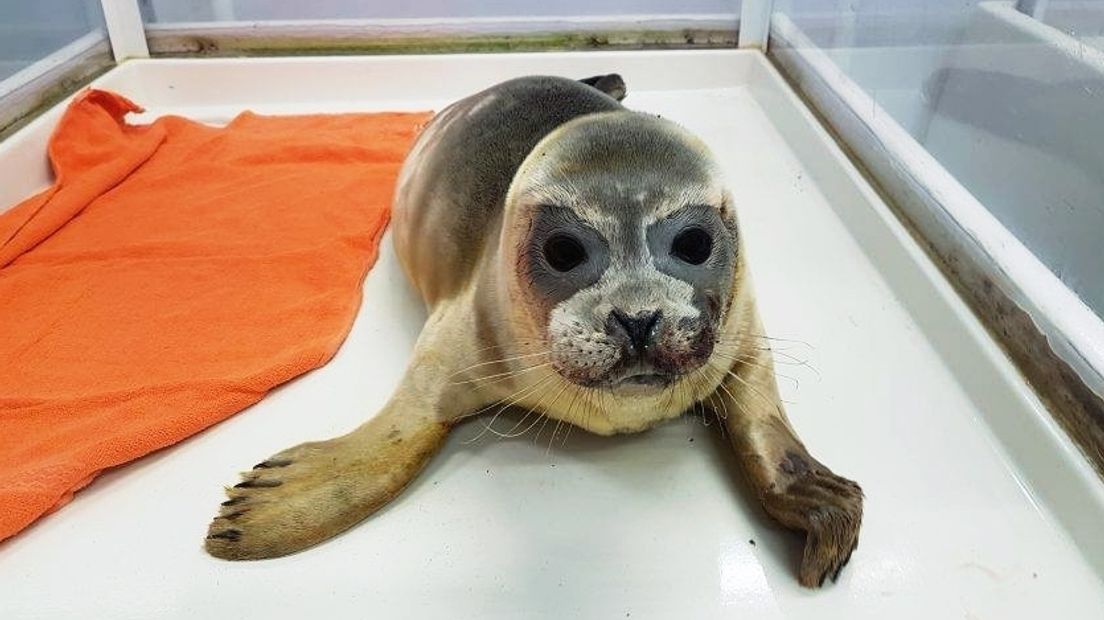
[(1008, 96), (1080, 19), (31, 31), (169, 11)]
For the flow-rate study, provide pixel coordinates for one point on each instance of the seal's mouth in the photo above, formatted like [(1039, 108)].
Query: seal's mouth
[(645, 378), (641, 381), (634, 381)]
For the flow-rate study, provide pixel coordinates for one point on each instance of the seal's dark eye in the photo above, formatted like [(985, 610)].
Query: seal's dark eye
[(692, 245), (564, 253)]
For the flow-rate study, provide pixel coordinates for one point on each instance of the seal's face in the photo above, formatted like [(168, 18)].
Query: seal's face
[(627, 251)]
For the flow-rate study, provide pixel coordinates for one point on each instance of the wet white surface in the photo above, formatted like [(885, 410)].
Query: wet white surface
[(656, 525)]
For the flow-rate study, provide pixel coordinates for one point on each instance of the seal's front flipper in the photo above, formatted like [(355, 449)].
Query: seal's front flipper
[(314, 491), (611, 84), (794, 488)]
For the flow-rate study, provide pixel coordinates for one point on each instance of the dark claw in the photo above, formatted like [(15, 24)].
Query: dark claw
[(234, 500), (270, 463), (235, 515), (258, 484), (231, 535)]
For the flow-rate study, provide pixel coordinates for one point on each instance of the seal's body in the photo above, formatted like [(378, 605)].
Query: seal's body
[(582, 262)]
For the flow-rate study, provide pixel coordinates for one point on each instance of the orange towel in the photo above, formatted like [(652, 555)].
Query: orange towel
[(173, 274)]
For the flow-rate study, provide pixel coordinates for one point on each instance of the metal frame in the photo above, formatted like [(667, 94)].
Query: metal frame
[(755, 18), (444, 34), (129, 37), (124, 29)]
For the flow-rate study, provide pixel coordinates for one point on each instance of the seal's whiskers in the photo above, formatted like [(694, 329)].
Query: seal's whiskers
[(502, 376), (514, 398)]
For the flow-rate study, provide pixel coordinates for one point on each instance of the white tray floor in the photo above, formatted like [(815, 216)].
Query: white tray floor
[(657, 525)]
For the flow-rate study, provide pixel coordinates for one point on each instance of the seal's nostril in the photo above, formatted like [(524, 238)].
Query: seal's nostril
[(639, 328)]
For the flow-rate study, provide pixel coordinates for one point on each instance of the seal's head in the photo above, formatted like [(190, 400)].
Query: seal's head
[(624, 247)]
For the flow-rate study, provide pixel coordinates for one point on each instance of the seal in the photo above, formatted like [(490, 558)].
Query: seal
[(582, 262)]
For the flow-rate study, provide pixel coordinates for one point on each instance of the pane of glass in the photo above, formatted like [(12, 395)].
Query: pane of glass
[(1082, 20), (169, 11), (1008, 96), (31, 31)]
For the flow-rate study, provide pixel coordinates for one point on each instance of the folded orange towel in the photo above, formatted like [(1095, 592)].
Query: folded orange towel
[(173, 274)]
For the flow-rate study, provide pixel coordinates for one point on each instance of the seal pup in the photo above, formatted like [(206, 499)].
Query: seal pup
[(583, 262)]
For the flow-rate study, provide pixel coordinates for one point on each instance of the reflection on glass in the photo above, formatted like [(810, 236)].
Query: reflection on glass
[(1082, 20), (1008, 96), (31, 31)]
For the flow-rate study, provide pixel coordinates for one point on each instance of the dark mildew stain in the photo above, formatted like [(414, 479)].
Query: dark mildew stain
[(1073, 403)]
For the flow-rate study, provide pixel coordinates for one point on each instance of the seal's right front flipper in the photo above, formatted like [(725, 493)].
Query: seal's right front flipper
[(312, 492)]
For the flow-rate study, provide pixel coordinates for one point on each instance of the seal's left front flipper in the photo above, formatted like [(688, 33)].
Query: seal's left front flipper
[(793, 487), (804, 495)]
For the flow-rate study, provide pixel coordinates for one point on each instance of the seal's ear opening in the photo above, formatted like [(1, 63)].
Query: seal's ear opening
[(611, 84)]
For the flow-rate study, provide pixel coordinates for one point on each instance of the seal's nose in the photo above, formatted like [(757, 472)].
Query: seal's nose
[(640, 329)]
